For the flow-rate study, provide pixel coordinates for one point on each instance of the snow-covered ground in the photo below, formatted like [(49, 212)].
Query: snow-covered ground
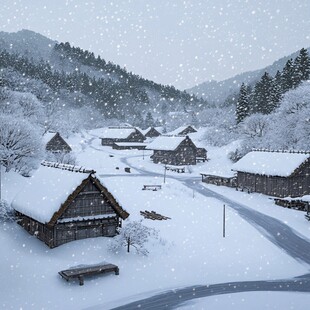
[(191, 250)]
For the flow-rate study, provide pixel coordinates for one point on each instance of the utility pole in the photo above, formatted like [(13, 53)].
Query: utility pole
[(223, 221)]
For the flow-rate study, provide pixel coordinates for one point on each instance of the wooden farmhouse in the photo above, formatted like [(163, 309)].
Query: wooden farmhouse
[(61, 203), (113, 135), (55, 143), (279, 174), (183, 131), (173, 150)]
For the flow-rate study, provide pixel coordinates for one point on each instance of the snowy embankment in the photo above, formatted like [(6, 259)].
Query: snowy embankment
[(192, 249)]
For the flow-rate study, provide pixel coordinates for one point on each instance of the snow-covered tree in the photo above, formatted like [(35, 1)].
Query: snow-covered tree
[(302, 67), (133, 235), (20, 144), (242, 108), (6, 212), (23, 105)]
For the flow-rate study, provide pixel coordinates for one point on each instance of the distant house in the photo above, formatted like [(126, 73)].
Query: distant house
[(113, 135), (273, 173), (61, 203), (152, 132), (173, 150), (55, 143), (182, 131)]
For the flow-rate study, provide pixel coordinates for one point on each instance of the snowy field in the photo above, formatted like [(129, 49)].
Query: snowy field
[(191, 250)]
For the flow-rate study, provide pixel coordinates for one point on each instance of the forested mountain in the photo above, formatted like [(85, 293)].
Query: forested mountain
[(221, 91), (60, 72)]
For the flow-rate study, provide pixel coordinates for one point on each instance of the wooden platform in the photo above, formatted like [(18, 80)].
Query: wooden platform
[(152, 215), (88, 270)]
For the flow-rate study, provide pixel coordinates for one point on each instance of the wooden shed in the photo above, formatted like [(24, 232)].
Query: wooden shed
[(55, 143), (113, 135), (173, 150), (229, 181), (61, 203), (274, 173)]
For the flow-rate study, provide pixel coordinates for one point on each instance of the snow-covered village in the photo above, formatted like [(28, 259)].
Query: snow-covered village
[(155, 155)]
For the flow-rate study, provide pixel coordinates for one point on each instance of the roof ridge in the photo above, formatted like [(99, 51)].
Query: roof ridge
[(67, 167), (281, 151)]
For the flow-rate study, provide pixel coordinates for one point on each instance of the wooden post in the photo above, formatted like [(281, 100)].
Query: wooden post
[(165, 174), (128, 244), (223, 221)]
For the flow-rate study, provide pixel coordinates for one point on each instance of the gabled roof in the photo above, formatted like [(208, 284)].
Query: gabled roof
[(180, 129), (51, 189), (166, 143), (54, 137), (48, 136), (281, 164), (117, 133)]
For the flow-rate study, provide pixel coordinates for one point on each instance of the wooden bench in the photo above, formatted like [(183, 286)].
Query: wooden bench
[(88, 270), (151, 187)]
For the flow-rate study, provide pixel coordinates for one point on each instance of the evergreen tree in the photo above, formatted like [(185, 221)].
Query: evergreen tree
[(287, 76), (263, 97), (149, 120), (276, 90), (242, 109), (302, 64)]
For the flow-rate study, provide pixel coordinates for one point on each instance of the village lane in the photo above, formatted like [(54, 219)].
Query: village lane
[(274, 230)]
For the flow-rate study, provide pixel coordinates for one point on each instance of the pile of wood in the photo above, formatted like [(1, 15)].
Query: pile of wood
[(152, 215)]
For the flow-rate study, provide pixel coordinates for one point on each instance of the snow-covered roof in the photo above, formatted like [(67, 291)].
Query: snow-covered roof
[(45, 191), (117, 133), (270, 163), (165, 143), (48, 136)]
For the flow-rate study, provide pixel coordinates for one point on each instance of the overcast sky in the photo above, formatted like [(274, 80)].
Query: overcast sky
[(175, 42)]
